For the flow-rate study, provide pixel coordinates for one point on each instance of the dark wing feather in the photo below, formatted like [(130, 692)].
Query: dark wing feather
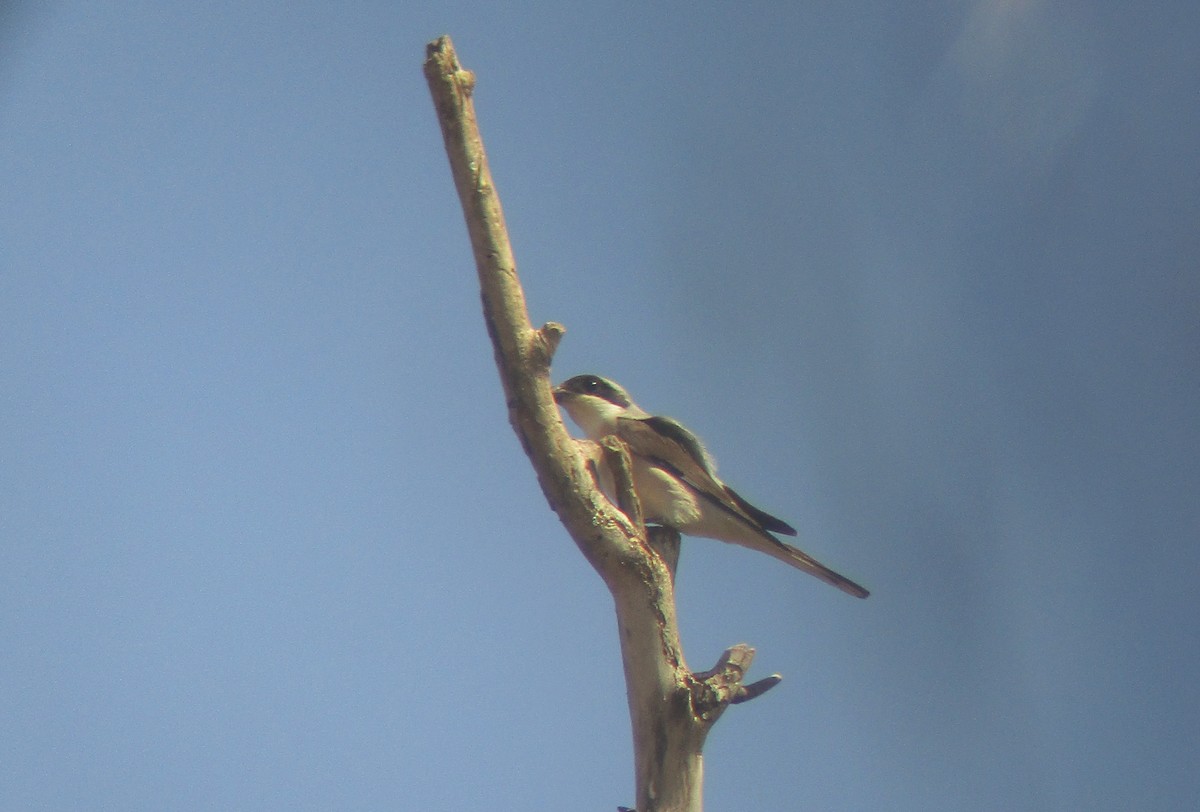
[(673, 447), (761, 516), (674, 430)]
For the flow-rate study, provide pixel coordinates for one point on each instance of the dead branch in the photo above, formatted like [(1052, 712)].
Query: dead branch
[(671, 708)]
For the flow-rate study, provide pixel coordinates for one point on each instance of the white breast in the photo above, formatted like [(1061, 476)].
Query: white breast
[(664, 499)]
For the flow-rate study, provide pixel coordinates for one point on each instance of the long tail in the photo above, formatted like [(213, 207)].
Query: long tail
[(803, 561), (722, 521)]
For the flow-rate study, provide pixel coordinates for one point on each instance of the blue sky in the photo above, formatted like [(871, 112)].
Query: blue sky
[(925, 278)]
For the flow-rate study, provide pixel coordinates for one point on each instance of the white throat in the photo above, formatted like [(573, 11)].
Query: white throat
[(596, 416)]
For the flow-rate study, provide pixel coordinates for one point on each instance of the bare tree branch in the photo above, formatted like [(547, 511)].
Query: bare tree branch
[(671, 708)]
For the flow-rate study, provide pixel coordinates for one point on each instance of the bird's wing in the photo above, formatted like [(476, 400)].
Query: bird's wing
[(669, 444)]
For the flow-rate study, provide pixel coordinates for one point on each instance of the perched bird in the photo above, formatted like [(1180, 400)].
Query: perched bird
[(676, 479)]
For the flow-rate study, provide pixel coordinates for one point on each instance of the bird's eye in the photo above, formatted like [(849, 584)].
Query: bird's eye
[(592, 384)]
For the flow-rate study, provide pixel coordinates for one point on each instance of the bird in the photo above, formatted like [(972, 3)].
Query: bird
[(675, 477)]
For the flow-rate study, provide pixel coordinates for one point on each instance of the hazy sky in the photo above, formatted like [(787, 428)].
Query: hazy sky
[(926, 278)]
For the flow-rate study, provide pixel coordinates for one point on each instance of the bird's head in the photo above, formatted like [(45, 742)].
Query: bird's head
[(595, 403)]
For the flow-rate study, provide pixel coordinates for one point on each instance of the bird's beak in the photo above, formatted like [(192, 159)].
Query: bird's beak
[(560, 394)]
